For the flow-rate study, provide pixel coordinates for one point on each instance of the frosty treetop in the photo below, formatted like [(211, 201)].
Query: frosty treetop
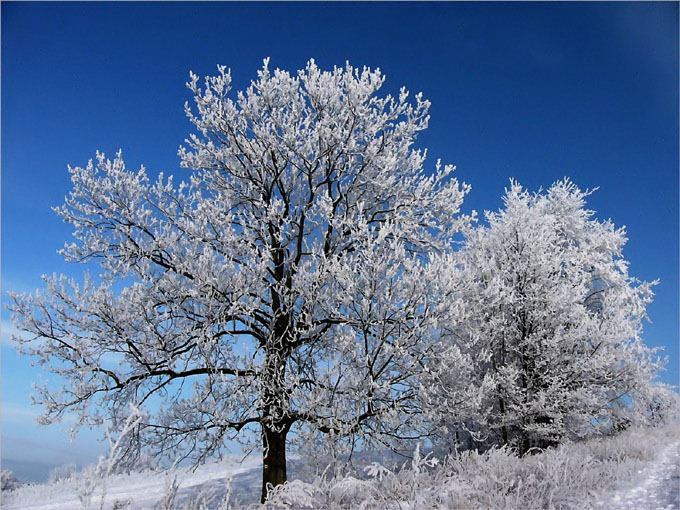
[(285, 284)]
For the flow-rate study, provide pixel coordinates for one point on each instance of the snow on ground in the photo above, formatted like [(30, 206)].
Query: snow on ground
[(145, 489), (658, 487)]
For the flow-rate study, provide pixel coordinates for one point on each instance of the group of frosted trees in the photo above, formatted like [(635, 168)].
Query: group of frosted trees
[(306, 282)]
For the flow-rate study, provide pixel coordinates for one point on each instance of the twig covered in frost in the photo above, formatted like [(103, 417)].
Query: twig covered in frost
[(117, 452), (168, 501)]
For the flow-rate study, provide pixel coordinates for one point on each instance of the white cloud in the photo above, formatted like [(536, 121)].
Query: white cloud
[(17, 413), (7, 331)]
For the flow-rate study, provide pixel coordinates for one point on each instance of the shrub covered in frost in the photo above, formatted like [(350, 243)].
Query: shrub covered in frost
[(571, 476), (8, 480), (61, 473)]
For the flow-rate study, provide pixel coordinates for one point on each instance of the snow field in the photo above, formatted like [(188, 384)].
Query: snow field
[(638, 469)]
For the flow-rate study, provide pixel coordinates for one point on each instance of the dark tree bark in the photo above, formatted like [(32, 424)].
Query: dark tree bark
[(276, 420), (273, 458)]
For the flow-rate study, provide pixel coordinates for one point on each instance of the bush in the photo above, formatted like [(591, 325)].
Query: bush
[(8, 481), (62, 473), (571, 476)]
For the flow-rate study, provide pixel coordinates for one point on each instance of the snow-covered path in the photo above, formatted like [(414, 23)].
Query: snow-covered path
[(659, 487)]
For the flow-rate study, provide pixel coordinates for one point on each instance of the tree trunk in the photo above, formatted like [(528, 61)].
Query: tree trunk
[(524, 444), (504, 428), (273, 458)]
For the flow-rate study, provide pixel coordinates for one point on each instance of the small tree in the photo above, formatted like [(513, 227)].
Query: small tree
[(288, 280), (659, 405), (8, 482), (551, 320)]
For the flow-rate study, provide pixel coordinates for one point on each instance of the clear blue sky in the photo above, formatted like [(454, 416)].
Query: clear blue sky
[(531, 91)]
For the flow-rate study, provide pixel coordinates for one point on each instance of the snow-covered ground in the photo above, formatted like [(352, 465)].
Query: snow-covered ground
[(147, 488), (640, 469), (658, 487)]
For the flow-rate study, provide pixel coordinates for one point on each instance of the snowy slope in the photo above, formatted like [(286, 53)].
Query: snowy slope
[(642, 467), (147, 488)]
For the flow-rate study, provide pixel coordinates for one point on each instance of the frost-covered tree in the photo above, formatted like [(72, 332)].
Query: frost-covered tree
[(8, 481), (552, 321), (286, 284), (659, 405)]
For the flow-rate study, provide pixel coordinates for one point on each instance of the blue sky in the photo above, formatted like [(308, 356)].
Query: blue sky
[(531, 91)]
